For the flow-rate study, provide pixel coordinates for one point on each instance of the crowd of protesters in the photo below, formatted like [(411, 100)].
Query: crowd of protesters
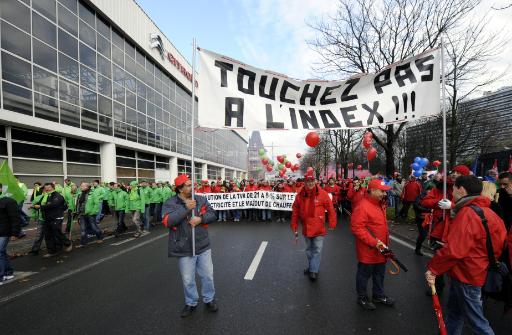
[(471, 207)]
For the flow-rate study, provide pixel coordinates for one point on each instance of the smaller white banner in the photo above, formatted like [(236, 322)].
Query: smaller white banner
[(254, 199)]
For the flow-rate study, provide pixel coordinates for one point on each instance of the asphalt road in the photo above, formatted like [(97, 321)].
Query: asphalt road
[(134, 288)]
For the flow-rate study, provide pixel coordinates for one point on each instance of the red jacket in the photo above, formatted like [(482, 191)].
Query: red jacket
[(265, 188), (411, 191), (369, 213), (217, 189), (288, 189), (356, 196), (430, 201), (250, 188), (204, 189), (310, 206), (335, 192), (464, 255), (510, 246)]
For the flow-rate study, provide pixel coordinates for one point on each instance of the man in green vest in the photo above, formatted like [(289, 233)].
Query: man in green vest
[(148, 193), (119, 201), (167, 192), (135, 204), (88, 207), (156, 203), (70, 195)]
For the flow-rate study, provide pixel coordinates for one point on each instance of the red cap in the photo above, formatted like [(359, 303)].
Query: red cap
[(310, 175), (462, 169), (378, 184), (181, 179), (251, 180)]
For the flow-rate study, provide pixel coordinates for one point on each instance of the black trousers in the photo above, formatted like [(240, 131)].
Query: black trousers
[(422, 233), (405, 208), (54, 238), (367, 271)]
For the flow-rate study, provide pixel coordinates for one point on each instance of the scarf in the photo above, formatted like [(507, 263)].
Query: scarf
[(44, 200), (309, 196), (459, 204)]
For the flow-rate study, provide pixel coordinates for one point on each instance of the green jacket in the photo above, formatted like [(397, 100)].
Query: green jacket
[(156, 195), (119, 199), (135, 200), (92, 203), (167, 193), (58, 188), (36, 213), (148, 194), (110, 197), (70, 198)]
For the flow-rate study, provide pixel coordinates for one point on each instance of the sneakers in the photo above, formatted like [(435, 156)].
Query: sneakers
[(7, 277), (386, 301), (212, 306), (187, 311), (69, 247), (366, 304)]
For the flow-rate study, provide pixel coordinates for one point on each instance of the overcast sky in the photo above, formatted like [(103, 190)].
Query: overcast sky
[(272, 34)]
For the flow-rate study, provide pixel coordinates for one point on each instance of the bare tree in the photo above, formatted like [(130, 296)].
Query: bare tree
[(342, 143), (365, 36), (469, 51)]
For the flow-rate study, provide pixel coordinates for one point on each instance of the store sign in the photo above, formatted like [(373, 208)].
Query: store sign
[(156, 42)]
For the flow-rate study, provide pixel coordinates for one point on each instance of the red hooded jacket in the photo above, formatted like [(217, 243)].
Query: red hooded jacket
[(265, 188), (430, 201), (369, 213), (411, 191), (464, 255), (355, 197), (288, 188), (204, 189), (334, 190), (310, 206)]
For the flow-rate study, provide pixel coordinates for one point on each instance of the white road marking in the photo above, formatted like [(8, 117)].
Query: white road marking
[(124, 241), (144, 233), (256, 261), (17, 276), (108, 237), (80, 269), (408, 245)]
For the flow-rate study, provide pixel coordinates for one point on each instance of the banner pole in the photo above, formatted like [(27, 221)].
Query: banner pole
[(192, 126), (445, 169)]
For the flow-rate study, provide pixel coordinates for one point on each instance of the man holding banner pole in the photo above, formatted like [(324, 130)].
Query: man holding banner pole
[(310, 206), (184, 214)]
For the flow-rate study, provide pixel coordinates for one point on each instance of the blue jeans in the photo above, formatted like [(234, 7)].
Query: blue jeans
[(237, 214), (147, 215), (120, 220), (465, 303), (202, 264), (314, 252), (5, 266), (88, 221), (99, 216), (367, 271), (266, 214), (222, 215)]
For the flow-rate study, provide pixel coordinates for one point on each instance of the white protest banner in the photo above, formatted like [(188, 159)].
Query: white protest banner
[(236, 95), (254, 199)]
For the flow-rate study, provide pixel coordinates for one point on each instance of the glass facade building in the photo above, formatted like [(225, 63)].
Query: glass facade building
[(68, 63)]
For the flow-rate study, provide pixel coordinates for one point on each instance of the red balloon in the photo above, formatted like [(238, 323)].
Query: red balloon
[(359, 167), (281, 174), (264, 161), (288, 164), (372, 153), (296, 166), (312, 139), (436, 163), (368, 134), (298, 155), (350, 165), (280, 159), (269, 168)]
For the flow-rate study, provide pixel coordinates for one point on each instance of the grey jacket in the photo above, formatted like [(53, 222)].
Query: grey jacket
[(180, 231)]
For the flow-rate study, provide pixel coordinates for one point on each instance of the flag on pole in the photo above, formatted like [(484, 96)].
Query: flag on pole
[(495, 164), (9, 183), (474, 166)]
